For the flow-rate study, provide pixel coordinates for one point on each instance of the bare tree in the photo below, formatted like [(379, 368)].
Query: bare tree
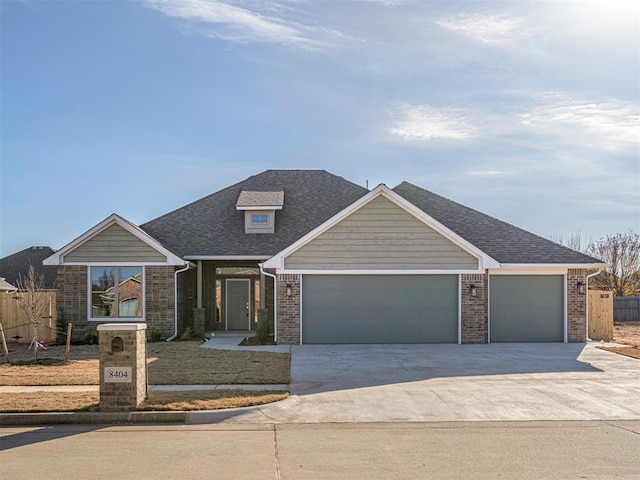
[(33, 302), (622, 251), (575, 241)]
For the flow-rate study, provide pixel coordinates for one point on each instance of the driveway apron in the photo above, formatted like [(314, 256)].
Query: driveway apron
[(417, 383)]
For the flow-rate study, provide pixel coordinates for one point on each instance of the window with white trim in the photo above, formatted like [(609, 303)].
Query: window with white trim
[(116, 292)]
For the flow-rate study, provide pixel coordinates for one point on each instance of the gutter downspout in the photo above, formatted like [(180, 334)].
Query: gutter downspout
[(587, 292), (275, 302), (175, 297)]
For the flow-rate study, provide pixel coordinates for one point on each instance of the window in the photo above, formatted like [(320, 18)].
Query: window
[(259, 218), (116, 292)]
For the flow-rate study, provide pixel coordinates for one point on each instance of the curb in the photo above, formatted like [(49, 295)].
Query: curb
[(96, 418)]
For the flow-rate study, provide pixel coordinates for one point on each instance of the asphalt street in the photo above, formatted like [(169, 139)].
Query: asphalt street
[(456, 450)]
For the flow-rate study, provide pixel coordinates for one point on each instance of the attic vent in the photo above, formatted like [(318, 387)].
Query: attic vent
[(260, 210)]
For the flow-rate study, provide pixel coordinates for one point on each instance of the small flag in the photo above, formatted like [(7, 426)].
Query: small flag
[(40, 345)]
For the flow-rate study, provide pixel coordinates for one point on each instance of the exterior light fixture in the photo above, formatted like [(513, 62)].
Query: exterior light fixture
[(288, 289), (473, 290), (581, 288)]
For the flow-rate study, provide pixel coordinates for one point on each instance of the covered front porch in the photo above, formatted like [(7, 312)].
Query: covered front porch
[(224, 295)]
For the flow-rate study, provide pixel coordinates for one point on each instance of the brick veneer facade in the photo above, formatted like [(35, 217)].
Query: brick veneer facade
[(159, 298), (73, 298), (288, 309), (474, 312), (576, 306)]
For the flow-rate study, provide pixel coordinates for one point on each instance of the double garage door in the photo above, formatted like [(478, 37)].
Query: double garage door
[(424, 308), (379, 309)]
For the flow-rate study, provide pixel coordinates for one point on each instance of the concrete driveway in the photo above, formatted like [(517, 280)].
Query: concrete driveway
[(417, 383)]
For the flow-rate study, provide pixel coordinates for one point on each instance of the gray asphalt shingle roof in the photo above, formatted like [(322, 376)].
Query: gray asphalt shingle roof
[(504, 242), (212, 226), (17, 264)]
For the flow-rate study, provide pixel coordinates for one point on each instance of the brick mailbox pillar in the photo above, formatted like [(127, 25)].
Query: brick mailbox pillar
[(123, 373)]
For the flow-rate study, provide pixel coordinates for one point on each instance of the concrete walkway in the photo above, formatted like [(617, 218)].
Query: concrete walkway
[(231, 341)]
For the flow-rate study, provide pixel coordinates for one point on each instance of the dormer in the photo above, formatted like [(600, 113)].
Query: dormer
[(260, 210)]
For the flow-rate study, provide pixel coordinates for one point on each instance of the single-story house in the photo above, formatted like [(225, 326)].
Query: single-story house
[(329, 262)]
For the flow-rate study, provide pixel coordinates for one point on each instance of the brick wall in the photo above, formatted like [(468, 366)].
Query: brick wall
[(73, 298), (474, 310), (576, 306), (288, 310), (159, 298)]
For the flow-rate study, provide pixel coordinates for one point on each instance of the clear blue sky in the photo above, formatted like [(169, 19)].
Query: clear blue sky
[(528, 111)]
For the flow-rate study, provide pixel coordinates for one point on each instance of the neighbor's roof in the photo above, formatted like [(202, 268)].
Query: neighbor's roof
[(6, 286), (17, 264), (212, 226), (502, 241)]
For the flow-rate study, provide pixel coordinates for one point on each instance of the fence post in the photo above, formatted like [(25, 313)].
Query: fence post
[(4, 344), (66, 352)]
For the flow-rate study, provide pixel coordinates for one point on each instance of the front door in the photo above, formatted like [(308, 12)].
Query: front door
[(238, 305)]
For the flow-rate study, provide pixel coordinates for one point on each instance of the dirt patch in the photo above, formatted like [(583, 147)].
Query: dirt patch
[(166, 401), (627, 333), (175, 363), (633, 352)]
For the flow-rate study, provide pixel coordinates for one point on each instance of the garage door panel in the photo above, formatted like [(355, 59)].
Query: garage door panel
[(527, 308), (380, 309)]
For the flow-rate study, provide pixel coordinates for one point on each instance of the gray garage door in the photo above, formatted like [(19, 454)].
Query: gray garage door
[(379, 309), (527, 308)]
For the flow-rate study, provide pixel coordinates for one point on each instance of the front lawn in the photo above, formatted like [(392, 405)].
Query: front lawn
[(175, 363)]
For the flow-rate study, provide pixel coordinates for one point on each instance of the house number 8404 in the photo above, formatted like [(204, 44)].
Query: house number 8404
[(117, 374)]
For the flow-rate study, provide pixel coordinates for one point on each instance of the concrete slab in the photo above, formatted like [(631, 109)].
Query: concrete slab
[(418, 383), (231, 341)]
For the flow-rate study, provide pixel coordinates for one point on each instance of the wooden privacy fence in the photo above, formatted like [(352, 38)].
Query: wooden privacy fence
[(15, 323), (626, 309), (600, 315)]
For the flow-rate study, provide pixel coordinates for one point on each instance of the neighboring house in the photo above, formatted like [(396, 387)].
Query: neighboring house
[(331, 262), (6, 286), (16, 266)]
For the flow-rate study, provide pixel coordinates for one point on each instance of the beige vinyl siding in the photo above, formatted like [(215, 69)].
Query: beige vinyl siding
[(114, 244), (381, 235)]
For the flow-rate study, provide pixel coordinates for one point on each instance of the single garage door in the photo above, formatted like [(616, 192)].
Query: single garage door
[(527, 308), (379, 309)]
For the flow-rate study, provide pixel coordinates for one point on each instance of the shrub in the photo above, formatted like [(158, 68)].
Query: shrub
[(90, 338), (155, 334)]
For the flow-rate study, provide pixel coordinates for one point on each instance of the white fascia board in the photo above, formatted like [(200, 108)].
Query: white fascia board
[(484, 260), (227, 257), (273, 207), (57, 257), (587, 266), (378, 272)]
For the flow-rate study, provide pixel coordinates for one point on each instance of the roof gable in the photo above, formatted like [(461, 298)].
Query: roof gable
[(114, 240), (279, 261)]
